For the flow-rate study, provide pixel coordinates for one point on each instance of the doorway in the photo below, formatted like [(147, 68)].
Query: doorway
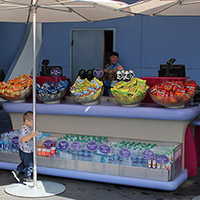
[(90, 48)]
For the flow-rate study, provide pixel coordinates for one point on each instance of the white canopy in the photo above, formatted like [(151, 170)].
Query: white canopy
[(61, 10), (167, 7)]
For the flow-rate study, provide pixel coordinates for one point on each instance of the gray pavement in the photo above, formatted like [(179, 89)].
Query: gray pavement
[(86, 190)]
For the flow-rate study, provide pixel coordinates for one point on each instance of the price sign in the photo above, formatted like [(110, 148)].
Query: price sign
[(63, 145), (125, 153), (15, 140), (149, 155), (92, 146), (98, 73), (48, 144), (162, 159), (56, 72), (76, 146), (105, 149)]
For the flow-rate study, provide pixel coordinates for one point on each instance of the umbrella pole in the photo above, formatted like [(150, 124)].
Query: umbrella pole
[(34, 97)]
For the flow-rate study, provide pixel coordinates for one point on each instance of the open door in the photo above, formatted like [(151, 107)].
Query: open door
[(87, 47)]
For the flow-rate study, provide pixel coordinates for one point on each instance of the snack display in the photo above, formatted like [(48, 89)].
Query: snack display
[(173, 94), (50, 92), (16, 89), (87, 92), (130, 93)]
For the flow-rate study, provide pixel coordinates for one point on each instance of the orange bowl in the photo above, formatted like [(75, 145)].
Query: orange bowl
[(174, 101)]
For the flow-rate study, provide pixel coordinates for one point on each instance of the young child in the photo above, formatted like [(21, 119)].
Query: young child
[(26, 148)]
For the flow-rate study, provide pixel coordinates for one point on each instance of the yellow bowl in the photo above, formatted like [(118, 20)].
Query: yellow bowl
[(90, 99), (126, 100)]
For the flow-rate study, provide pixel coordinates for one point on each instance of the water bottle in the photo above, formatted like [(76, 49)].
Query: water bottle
[(80, 152), (6, 142), (110, 155), (14, 142), (74, 152), (57, 148), (120, 157), (86, 152), (115, 154), (134, 157), (104, 158), (140, 157), (127, 160), (69, 150)]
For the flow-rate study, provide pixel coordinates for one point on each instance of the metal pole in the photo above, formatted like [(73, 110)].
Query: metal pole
[(34, 97)]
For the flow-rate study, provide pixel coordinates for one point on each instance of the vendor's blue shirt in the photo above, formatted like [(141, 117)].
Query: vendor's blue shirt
[(116, 66)]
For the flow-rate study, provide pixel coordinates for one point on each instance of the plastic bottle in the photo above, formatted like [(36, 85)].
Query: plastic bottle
[(120, 158), (83, 149), (134, 157), (93, 153), (74, 153), (127, 160), (14, 138), (97, 153), (110, 155), (57, 148), (140, 157), (104, 158), (68, 150), (86, 155), (2, 139), (115, 154), (6, 142), (64, 149), (80, 152)]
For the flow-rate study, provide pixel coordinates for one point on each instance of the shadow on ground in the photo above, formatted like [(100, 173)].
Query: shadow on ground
[(86, 190)]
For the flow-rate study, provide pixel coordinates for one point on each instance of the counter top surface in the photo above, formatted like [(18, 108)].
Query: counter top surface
[(107, 107)]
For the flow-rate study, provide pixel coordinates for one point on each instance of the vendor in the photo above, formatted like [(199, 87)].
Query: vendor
[(110, 71), (114, 62)]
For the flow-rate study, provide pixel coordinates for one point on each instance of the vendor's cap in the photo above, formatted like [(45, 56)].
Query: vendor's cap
[(114, 54)]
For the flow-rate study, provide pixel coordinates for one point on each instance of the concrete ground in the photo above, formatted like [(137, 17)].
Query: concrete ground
[(85, 190)]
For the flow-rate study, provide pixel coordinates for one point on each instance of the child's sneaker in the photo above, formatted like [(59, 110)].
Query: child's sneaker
[(16, 175), (28, 180)]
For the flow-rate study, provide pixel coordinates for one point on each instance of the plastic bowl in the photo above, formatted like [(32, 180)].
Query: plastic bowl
[(49, 97), (172, 102), (91, 99), (125, 100), (18, 96)]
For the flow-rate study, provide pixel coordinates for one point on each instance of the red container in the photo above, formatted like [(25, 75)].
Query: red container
[(151, 81), (43, 79)]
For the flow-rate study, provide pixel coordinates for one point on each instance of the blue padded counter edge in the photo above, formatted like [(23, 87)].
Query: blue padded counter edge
[(106, 111), (137, 182), (196, 122)]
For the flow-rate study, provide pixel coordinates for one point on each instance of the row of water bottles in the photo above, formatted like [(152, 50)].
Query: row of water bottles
[(95, 149), (9, 141), (104, 150)]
